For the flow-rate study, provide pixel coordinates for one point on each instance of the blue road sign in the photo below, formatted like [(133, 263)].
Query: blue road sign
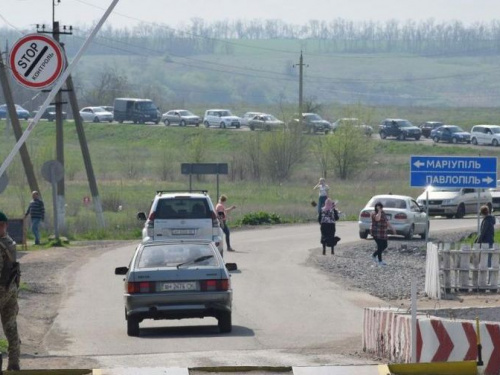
[(453, 171)]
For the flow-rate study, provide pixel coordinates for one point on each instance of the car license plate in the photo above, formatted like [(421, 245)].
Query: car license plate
[(179, 286), (183, 232)]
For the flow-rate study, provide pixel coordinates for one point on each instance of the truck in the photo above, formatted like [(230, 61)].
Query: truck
[(136, 110)]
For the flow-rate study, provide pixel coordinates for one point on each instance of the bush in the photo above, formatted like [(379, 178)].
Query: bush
[(259, 218)]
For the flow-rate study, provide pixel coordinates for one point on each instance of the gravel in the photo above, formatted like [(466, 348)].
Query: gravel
[(353, 266)]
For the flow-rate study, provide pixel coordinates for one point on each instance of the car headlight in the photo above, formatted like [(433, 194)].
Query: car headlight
[(447, 201)]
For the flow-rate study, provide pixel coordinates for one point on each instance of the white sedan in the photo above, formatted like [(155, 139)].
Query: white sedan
[(96, 114), (403, 212)]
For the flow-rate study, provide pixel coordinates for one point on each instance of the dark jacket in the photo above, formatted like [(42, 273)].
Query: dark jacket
[(487, 233), (36, 209)]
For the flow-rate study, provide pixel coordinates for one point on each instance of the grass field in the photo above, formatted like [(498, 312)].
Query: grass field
[(131, 162)]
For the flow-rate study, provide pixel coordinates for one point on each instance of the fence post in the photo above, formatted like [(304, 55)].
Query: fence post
[(464, 268)]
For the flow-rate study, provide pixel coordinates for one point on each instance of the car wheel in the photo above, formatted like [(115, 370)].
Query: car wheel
[(410, 233), (183, 123), (207, 124), (460, 211), (454, 140), (383, 135), (166, 122), (495, 143), (474, 141), (402, 137), (436, 139), (417, 138), (222, 125), (449, 216), (198, 124), (363, 235), (252, 127), (268, 128), (120, 121), (224, 322), (132, 326), (96, 119)]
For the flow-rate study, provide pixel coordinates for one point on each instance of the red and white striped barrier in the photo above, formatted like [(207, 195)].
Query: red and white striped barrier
[(387, 333)]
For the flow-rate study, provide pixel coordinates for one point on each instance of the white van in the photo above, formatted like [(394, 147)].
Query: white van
[(485, 135), (456, 202)]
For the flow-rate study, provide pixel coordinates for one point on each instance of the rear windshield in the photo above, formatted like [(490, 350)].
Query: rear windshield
[(183, 208), (171, 255), (388, 202)]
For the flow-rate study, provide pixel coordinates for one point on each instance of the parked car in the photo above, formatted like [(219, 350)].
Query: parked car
[(180, 117), (247, 117), (96, 114), (136, 110), (451, 134), (406, 216), (265, 122), (495, 197), (428, 126), (22, 113), (313, 123), (182, 216), (399, 128), (485, 135), (354, 122), (50, 113), (176, 280), (221, 118), (456, 202)]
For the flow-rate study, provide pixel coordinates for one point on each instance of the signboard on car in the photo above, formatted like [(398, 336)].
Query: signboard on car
[(37, 61), (453, 171)]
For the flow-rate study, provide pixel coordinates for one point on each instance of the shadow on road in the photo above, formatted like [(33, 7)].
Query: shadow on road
[(193, 331)]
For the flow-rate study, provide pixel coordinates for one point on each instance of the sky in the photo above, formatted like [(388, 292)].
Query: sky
[(25, 14)]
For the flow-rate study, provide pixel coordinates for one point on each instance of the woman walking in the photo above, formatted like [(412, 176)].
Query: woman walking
[(379, 228), (223, 212), (328, 216), (323, 193), (487, 232)]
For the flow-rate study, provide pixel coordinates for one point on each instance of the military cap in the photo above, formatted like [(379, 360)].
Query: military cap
[(3, 217)]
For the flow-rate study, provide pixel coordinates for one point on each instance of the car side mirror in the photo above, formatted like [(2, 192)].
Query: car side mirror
[(121, 270), (231, 266), (141, 216)]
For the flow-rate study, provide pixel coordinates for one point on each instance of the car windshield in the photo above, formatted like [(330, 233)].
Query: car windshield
[(404, 124), (98, 109), (182, 208), (312, 117), (388, 202), (186, 113), (171, 255), (145, 105), (225, 113), (495, 130)]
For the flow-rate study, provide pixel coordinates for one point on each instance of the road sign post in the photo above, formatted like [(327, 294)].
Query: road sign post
[(204, 168)]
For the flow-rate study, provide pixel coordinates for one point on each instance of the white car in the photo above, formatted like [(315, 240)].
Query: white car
[(247, 117), (96, 114), (456, 202), (485, 135), (222, 118), (495, 197), (403, 212), (182, 216)]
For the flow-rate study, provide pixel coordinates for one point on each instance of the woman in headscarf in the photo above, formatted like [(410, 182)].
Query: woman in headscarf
[(328, 216)]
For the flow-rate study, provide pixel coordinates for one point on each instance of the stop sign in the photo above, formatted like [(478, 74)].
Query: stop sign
[(37, 61)]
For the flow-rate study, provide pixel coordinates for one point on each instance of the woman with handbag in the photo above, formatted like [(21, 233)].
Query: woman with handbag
[(328, 216)]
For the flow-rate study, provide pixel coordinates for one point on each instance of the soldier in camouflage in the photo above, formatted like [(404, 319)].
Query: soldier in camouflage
[(9, 278)]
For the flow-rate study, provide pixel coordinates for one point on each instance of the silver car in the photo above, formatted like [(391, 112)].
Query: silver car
[(403, 212), (265, 122), (180, 117), (96, 114), (176, 280)]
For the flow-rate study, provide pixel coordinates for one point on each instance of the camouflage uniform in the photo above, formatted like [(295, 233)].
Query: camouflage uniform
[(8, 304)]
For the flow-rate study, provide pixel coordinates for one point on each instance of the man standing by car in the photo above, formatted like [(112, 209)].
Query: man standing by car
[(9, 279), (36, 210), (222, 212)]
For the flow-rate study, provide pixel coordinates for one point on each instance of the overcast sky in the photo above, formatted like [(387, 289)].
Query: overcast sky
[(24, 14)]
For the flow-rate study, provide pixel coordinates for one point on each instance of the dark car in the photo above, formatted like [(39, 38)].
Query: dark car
[(50, 113), (399, 128), (313, 123), (21, 112), (451, 134), (428, 126)]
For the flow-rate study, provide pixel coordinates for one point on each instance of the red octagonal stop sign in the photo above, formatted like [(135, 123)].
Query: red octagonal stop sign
[(37, 61)]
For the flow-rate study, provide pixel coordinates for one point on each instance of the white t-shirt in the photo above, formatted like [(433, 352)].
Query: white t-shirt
[(323, 190)]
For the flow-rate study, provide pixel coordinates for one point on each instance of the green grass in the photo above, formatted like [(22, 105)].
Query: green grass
[(129, 160)]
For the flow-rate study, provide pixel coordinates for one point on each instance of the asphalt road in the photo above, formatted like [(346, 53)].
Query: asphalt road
[(285, 312)]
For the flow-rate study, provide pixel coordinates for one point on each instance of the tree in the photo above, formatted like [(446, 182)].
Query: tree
[(321, 149)]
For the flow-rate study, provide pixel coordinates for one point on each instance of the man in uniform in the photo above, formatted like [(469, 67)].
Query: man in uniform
[(9, 279)]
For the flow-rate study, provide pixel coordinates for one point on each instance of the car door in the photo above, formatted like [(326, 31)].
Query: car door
[(85, 114), (480, 135), (419, 217), (469, 197), (176, 118)]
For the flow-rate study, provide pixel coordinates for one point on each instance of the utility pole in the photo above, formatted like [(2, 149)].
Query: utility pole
[(61, 200), (18, 131), (301, 83)]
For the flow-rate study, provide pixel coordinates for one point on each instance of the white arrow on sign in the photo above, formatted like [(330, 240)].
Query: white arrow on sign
[(418, 164), (488, 180)]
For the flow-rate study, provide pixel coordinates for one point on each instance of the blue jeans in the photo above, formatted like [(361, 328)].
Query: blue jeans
[(321, 202), (35, 223)]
